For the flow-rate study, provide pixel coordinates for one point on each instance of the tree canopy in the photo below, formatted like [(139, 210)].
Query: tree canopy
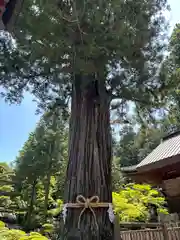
[(132, 202), (122, 46)]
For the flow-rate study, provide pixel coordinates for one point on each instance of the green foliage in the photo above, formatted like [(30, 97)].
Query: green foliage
[(136, 145), (132, 203), (170, 76), (174, 45), (48, 228), (40, 169), (58, 209), (122, 45), (126, 149), (117, 177), (8, 194), (139, 139), (2, 225), (7, 234)]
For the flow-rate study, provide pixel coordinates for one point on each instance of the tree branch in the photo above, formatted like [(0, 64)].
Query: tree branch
[(133, 99)]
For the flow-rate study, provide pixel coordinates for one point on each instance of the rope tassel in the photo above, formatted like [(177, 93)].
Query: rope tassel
[(88, 203)]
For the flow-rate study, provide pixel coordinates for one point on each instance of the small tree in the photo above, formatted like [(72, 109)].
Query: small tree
[(40, 163), (132, 203)]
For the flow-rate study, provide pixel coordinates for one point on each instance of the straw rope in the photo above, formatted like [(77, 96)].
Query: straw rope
[(87, 203)]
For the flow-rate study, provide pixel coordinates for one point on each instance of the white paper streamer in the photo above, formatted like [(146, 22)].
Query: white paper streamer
[(64, 212), (111, 213)]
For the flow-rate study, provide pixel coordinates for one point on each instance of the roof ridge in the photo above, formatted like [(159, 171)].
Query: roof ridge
[(171, 135)]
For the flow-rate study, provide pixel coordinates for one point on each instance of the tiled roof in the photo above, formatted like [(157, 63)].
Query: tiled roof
[(168, 148)]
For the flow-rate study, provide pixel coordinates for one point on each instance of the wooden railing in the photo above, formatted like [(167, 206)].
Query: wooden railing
[(151, 231)]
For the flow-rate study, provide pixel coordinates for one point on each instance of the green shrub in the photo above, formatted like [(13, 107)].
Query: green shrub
[(2, 224), (48, 228), (13, 234), (131, 203)]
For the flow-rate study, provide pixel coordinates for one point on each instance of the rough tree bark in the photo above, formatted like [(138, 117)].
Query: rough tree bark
[(89, 167)]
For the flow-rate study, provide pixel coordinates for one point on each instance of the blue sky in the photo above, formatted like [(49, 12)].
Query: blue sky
[(174, 15), (16, 122)]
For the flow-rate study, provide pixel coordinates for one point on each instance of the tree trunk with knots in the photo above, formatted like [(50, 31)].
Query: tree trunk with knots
[(89, 167)]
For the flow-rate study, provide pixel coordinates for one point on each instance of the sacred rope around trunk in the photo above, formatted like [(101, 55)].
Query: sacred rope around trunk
[(88, 203)]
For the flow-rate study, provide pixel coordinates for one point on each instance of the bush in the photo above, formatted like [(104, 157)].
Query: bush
[(48, 228), (132, 203), (13, 234)]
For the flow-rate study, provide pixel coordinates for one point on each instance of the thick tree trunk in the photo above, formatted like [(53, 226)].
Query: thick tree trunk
[(89, 167)]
